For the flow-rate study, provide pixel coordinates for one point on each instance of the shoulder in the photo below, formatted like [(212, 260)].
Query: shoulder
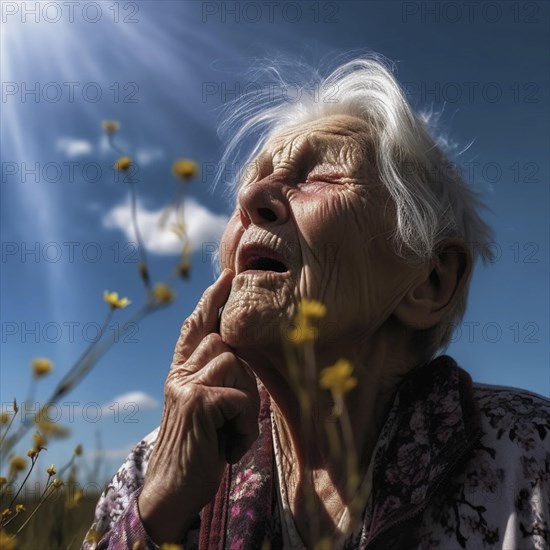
[(507, 478), (499, 495), (127, 480), (515, 416), (493, 393)]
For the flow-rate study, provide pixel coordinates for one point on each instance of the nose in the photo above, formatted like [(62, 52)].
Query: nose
[(262, 203)]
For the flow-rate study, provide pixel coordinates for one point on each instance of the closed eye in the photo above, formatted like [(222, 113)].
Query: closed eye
[(326, 177)]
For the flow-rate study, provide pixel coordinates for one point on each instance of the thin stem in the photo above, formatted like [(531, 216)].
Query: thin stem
[(349, 443), (99, 348), (302, 384), (311, 392), (176, 204), (146, 279), (66, 383), (6, 523), (33, 462), (112, 144), (43, 497), (8, 427), (84, 364), (142, 253), (63, 385), (63, 469), (32, 389), (356, 496)]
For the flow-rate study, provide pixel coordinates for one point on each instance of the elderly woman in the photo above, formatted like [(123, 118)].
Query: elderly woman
[(305, 406)]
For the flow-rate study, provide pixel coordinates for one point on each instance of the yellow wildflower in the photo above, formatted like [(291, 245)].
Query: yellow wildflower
[(185, 169), (7, 541), (301, 333), (111, 126), (3, 481), (31, 453), (4, 418), (162, 293), (123, 164), (338, 378), (75, 499), (57, 483), (6, 513), (323, 544), (303, 330), (17, 464), (39, 441), (41, 366), (20, 508), (179, 229), (114, 301), (311, 309), (51, 470), (137, 545), (93, 536), (143, 272), (78, 450), (184, 269), (49, 428)]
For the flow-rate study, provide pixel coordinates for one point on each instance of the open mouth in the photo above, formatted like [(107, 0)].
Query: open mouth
[(265, 264), (259, 258)]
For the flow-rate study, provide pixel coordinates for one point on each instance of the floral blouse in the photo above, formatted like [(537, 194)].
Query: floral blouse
[(456, 465)]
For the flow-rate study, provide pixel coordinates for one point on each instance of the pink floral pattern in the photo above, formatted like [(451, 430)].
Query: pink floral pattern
[(457, 465)]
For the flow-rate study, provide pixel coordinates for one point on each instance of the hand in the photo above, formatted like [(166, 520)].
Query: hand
[(210, 418)]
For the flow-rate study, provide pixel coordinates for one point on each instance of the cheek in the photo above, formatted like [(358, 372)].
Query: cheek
[(334, 240), (229, 243), (348, 264)]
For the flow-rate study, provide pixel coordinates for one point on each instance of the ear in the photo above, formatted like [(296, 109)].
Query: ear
[(432, 298)]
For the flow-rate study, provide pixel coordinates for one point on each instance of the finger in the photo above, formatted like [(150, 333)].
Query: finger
[(213, 366), (238, 421), (209, 347), (241, 430), (204, 318), (227, 371)]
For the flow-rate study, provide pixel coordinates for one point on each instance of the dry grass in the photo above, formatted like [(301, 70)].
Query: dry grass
[(55, 526)]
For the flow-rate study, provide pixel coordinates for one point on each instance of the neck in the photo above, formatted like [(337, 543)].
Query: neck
[(315, 443)]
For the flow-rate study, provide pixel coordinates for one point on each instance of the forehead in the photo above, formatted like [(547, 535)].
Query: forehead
[(320, 136)]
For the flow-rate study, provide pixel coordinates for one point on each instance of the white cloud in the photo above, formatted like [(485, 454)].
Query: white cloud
[(74, 147), (138, 399), (126, 404), (104, 146), (202, 226), (148, 156)]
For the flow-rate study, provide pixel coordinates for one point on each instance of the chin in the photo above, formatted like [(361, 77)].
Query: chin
[(253, 320), (243, 329)]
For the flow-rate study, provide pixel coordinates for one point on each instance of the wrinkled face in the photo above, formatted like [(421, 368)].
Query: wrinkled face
[(312, 222)]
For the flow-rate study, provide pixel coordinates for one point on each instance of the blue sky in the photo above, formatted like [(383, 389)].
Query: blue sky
[(163, 69)]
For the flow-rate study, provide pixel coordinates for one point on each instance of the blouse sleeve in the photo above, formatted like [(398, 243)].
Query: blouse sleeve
[(117, 523), (116, 520)]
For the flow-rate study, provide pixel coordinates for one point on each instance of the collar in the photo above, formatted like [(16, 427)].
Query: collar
[(431, 427)]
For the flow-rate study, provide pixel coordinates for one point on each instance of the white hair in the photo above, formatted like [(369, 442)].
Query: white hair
[(431, 200)]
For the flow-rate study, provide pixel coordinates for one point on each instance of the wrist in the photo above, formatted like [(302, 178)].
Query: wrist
[(166, 520)]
